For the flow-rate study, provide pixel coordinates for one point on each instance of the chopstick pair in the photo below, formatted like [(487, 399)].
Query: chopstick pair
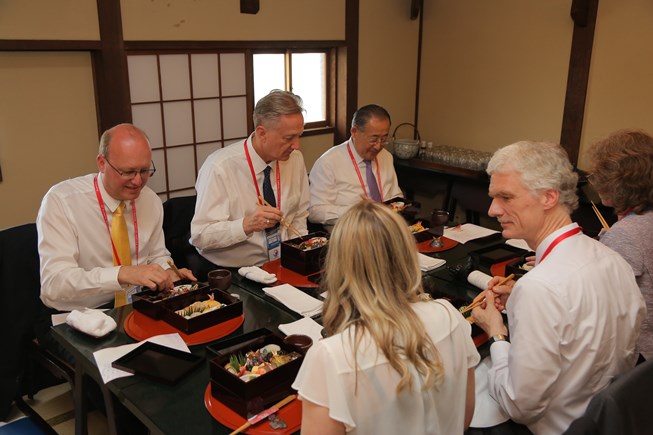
[(268, 412), (284, 222), (604, 223), (473, 305), (174, 268)]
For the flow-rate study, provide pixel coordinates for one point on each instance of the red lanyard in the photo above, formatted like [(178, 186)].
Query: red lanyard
[(106, 222), (358, 172), (559, 239), (278, 177)]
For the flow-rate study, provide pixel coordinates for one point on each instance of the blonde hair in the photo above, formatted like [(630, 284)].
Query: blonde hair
[(373, 276)]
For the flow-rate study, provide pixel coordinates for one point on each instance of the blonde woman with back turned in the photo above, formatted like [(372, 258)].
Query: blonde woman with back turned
[(395, 361)]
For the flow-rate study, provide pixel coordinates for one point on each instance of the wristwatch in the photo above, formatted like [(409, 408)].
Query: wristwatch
[(498, 337)]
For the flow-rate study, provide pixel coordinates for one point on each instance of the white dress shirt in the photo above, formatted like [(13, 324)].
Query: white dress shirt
[(574, 321), (226, 193), (77, 268), (365, 400), (335, 185)]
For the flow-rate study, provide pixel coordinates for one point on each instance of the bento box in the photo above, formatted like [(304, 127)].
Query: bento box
[(303, 256), (149, 302), (260, 391), (406, 208), (192, 303)]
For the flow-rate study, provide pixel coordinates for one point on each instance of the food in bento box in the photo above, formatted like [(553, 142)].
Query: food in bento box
[(200, 307), (313, 243), (398, 206), (261, 361), (176, 291), (416, 227)]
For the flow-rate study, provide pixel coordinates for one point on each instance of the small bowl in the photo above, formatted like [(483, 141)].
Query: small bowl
[(303, 342)]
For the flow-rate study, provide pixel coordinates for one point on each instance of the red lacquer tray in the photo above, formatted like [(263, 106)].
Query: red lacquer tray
[(425, 245), (499, 269), (140, 327), (287, 276), (291, 414)]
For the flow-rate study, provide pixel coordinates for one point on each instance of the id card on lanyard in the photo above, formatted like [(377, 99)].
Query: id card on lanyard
[(272, 235)]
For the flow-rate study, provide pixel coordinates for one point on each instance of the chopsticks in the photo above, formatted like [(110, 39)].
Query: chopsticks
[(604, 223), (284, 222), (174, 268), (264, 414), (480, 301)]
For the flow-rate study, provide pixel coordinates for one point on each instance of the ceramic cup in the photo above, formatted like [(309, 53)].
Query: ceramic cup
[(220, 279), (303, 342)]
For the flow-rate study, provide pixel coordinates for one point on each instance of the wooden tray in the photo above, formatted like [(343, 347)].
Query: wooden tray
[(425, 245), (287, 276), (141, 327), (291, 414)]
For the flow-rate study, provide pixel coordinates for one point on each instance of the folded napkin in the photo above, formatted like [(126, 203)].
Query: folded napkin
[(295, 299), (487, 411), (257, 274), (304, 326), (92, 322), (427, 263)]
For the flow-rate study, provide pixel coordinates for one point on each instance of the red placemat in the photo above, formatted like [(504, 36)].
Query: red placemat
[(140, 327), (499, 269), (287, 276), (291, 414), (426, 247)]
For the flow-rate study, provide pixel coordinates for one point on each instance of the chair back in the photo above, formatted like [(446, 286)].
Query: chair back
[(622, 408), (20, 305)]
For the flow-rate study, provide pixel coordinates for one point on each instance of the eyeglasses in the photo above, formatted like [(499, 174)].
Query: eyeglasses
[(130, 175), (383, 140)]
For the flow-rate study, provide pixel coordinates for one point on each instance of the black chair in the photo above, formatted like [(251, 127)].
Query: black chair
[(20, 308), (622, 408), (472, 197), (177, 215)]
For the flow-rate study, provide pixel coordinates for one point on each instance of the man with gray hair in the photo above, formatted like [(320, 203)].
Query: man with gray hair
[(245, 190), (359, 166), (574, 319)]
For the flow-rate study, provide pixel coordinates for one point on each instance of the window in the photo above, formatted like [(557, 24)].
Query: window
[(189, 105), (303, 73)]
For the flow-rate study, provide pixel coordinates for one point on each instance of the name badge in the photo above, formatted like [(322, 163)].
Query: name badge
[(273, 239)]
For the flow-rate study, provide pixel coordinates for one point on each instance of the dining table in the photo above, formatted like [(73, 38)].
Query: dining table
[(180, 408)]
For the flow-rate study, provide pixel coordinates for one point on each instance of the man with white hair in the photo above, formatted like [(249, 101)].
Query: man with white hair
[(574, 319)]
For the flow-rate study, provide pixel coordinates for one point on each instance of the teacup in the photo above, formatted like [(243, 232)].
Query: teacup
[(220, 279), (303, 342)]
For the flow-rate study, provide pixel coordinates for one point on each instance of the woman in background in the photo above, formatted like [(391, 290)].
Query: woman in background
[(395, 361), (622, 175)]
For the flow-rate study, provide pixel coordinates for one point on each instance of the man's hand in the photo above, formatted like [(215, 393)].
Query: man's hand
[(501, 292), (152, 276), (264, 217), (488, 317), (183, 274)]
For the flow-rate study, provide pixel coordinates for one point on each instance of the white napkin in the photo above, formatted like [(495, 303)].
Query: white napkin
[(518, 243), (92, 322), (257, 274), (305, 326), (487, 411), (427, 263), (295, 299)]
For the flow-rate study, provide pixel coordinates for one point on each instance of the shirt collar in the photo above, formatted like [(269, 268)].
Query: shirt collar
[(111, 203), (550, 238), (257, 162), (357, 157)]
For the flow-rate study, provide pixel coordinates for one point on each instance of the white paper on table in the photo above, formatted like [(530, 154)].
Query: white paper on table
[(487, 411), (295, 299), (518, 243), (427, 263), (104, 357), (466, 232), (305, 326)]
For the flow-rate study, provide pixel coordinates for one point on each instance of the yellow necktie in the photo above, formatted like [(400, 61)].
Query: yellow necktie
[(121, 242)]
